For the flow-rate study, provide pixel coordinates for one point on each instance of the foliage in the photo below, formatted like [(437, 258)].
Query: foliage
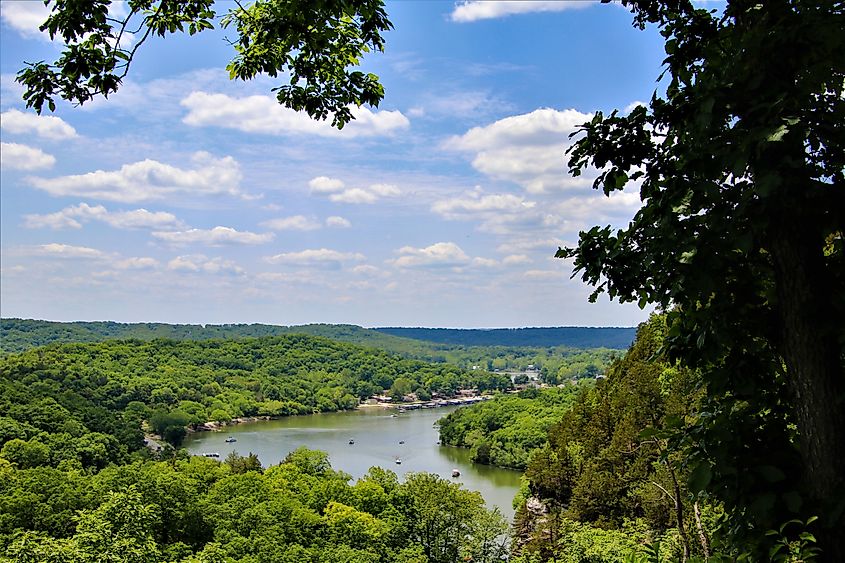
[(85, 402), (505, 430), (558, 352), (200, 510), (607, 463), (314, 45), (739, 161), (546, 337)]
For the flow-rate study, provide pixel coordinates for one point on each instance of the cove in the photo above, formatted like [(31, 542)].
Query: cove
[(377, 436)]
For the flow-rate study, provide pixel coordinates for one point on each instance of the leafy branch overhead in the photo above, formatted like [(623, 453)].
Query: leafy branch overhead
[(315, 46)]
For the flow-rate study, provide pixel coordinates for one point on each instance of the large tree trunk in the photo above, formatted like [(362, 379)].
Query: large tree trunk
[(811, 354)]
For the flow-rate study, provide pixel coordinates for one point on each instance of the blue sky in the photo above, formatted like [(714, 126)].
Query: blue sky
[(189, 198)]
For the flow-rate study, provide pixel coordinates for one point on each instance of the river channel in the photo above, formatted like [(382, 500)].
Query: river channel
[(377, 436)]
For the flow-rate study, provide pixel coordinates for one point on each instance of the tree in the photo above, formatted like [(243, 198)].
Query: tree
[(315, 44), (740, 168)]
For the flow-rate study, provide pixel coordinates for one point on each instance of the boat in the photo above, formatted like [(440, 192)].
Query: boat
[(229, 440), (398, 461), (456, 473), (394, 415), (351, 442), (211, 454), (401, 441)]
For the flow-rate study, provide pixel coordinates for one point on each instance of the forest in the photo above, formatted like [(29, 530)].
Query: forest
[(556, 361), (719, 435)]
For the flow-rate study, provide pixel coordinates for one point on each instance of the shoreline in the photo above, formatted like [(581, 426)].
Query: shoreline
[(215, 426)]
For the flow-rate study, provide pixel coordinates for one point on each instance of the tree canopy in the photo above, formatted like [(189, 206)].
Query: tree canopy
[(739, 163), (315, 46)]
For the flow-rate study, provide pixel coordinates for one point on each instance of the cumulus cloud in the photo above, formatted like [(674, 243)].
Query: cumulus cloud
[(337, 191), (149, 180), (580, 212), (73, 217), (497, 213), (521, 246), (199, 263), (325, 185), (513, 259), (526, 149), (338, 222), (316, 257), (22, 157), (69, 251), (25, 17), (264, 114), (218, 236), (293, 223), (44, 126), (485, 10), (441, 254)]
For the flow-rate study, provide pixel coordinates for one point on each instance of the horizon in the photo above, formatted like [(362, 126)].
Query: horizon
[(188, 197), (374, 327)]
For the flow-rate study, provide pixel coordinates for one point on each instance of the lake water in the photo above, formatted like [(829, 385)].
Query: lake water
[(377, 438)]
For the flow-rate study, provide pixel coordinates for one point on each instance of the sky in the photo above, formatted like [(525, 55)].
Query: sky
[(190, 198)]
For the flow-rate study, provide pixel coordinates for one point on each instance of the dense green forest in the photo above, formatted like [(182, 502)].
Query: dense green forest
[(557, 362), (571, 336), (60, 394), (17, 335), (195, 510), (507, 429)]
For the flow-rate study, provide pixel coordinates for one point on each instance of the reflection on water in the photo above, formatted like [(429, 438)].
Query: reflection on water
[(376, 437)]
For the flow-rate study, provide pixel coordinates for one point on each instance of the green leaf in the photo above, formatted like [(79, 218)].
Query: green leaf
[(700, 477)]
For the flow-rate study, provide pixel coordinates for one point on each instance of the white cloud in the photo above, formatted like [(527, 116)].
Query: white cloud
[(476, 203), (633, 105), (485, 262), (25, 17), (549, 245), (337, 191), (485, 10), (526, 149), (438, 254), (338, 222), (21, 157), (316, 257), (497, 213), (200, 263), (45, 126), (74, 216), (137, 263), (150, 180), (217, 236), (513, 259), (581, 212), (264, 114), (294, 223), (69, 251), (325, 185), (354, 195)]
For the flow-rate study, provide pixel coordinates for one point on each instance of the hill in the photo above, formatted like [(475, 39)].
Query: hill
[(570, 336)]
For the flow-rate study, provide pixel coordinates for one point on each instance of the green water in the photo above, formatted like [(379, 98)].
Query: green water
[(377, 438)]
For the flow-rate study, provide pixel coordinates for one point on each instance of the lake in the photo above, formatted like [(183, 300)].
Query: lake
[(377, 438)]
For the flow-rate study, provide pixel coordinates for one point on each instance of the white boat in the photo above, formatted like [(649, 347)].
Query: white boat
[(229, 440), (398, 461), (456, 473)]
